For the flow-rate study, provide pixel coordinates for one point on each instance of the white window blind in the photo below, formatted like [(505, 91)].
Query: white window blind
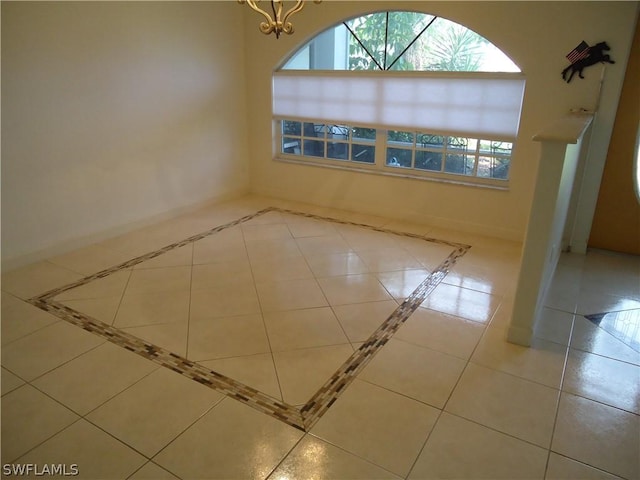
[(479, 104)]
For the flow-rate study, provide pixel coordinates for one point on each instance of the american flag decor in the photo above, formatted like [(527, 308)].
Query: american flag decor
[(578, 53)]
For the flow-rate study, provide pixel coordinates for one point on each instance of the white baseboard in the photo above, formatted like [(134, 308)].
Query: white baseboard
[(408, 216)]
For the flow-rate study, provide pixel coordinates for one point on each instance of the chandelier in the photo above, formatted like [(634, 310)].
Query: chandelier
[(278, 23)]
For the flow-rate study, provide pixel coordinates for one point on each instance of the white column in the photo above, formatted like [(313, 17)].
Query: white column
[(560, 146)]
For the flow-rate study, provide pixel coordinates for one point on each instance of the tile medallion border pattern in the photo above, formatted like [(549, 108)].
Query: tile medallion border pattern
[(301, 418)]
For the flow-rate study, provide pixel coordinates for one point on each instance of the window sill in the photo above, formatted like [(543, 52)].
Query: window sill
[(374, 170)]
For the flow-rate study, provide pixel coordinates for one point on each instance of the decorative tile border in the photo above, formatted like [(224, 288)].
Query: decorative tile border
[(302, 418)]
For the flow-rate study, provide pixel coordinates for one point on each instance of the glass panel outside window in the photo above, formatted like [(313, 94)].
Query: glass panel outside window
[(429, 161), (460, 164), (364, 134), (399, 157), (430, 141), (338, 150), (363, 153), (493, 167), (290, 127), (313, 148)]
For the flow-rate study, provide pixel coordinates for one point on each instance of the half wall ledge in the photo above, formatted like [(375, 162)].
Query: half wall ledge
[(561, 144)]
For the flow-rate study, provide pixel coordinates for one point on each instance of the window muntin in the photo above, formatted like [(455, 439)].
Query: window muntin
[(328, 141), (399, 40), (437, 113), (413, 153)]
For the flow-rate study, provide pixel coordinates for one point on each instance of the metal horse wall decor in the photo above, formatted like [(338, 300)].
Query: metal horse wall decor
[(584, 56)]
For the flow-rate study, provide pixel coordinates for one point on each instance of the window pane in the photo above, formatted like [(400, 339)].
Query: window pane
[(313, 130), (370, 30), (492, 167), (291, 145), (461, 144), (398, 137), (403, 28), (366, 134), (459, 164), (363, 153), (338, 150), (313, 148), (340, 132), (429, 161), (427, 140), (493, 147), (291, 128), (398, 157)]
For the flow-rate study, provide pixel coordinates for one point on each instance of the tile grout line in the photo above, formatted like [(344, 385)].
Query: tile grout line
[(331, 390), (303, 418)]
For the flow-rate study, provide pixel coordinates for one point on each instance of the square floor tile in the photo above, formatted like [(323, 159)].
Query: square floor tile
[(221, 337), (137, 310), (151, 471), (110, 286), (302, 372), (253, 444), (353, 289), (360, 320), (294, 268), (382, 427), (589, 337), (20, 318), (154, 280), (95, 453), (226, 301), (256, 371), (178, 257), (598, 435), (170, 336), (389, 259), (220, 274), (542, 362), (554, 326), (90, 260), (48, 348), (151, 413), (311, 246), (311, 327), (439, 331), (401, 284), (91, 379), (37, 278), (225, 246), (604, 380), (10, 381), (563, 468), (505, 403), (334, 264), (462, 302), (314, 458), (290, 295), (417, 372), (28, 418), (458, 448), (103, 309)]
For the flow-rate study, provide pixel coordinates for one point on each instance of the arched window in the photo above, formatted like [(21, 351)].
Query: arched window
[(400, 41), (400, 93)]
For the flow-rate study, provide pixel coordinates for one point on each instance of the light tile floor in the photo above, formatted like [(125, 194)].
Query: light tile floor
[(278, 303)]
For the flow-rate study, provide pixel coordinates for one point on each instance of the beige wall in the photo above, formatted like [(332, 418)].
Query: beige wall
[(537, 36), (116, 113)]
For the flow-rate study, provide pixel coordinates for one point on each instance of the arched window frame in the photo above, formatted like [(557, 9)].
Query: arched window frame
[(327, 135)]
